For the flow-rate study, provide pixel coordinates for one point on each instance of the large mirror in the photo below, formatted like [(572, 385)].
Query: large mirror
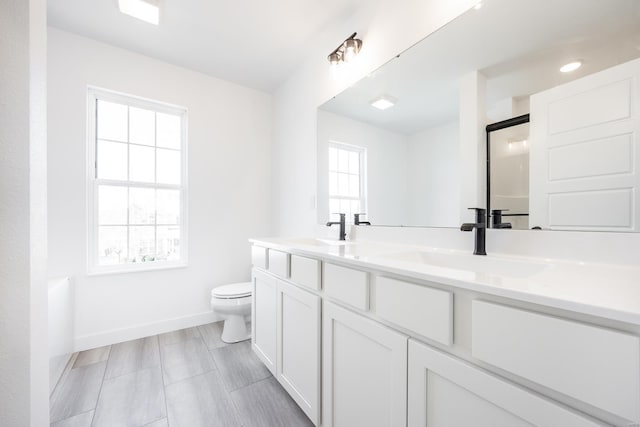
[(402, 164)]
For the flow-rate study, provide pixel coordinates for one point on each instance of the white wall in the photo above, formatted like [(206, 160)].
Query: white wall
[(229, 188), (434, 176), (24, 391), (386, 27), (386, 175)]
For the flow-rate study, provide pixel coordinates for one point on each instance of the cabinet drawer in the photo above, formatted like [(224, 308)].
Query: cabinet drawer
[(592, 364), (305, 271), (259, 256), (346, 285), (279, 263), (424, 310)]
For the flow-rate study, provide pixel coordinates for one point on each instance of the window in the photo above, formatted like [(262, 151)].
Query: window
[(346, 179), (137, 183)]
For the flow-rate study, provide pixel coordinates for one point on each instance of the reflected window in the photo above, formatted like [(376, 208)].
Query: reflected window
[(347, 193), (136, 183)]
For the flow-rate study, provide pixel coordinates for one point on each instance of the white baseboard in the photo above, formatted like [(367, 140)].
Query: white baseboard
[(113, 336)]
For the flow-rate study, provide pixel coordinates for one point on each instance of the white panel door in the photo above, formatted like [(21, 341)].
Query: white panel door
[(446, 392), (263, 321), (585, 153), (298, 364), (364, 371)]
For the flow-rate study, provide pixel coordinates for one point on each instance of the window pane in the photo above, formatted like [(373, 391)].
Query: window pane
[(343, 184), (334, 206), (333, 159), (333, 183), (142, 243), (112, 160), (112, 205), (345, 207), (168, 130), (168, 243), (168, 207), (355, 206), (112, 245), (112, 121), (142, 126), (168, 166), (142, 205), (354, 163), (343, 161), (141, 165), (354, 186)]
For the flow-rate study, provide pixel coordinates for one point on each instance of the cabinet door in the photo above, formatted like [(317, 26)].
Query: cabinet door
[(445, 391), (299, 347), (263, 322), (364, 371)]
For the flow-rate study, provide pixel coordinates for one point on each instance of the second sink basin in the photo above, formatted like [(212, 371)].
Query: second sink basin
[(491, 265)]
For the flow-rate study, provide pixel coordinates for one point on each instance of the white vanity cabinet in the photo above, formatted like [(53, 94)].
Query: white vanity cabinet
[(445, 391), (286, 335), (298, 347), (263, 313), (364, 371), (360, 346)]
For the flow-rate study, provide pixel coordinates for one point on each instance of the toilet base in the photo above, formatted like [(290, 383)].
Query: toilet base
[(235, 329)]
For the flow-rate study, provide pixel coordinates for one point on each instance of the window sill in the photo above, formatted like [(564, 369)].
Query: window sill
[(127, 269)]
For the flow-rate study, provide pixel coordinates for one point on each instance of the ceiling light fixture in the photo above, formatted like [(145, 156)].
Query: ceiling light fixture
[(383, 102), (347, 50), (145, 10), (478, 6), (571, 66)]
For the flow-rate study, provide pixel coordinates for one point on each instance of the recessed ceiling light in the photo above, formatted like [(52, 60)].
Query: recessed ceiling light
[(383, 102), (478, 5), (145, 10), (571, 66)]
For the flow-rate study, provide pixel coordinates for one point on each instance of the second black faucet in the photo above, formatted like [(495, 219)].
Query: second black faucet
[(481, 230)]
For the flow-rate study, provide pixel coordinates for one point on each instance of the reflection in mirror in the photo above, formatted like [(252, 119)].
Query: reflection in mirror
[(412, 154), (508, 174)]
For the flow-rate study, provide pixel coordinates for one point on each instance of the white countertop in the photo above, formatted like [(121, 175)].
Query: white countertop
[(608, 291)]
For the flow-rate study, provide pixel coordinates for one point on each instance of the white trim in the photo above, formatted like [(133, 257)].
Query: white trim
[(93, 95), (113, 336)]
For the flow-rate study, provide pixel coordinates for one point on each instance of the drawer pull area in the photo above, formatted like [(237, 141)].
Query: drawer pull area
[(592, 364), (421, 309), (346, 284)]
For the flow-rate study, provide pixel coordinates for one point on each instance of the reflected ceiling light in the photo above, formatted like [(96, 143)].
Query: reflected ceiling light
[(347, 50), (383, 102), (145, 10), (571, 66)]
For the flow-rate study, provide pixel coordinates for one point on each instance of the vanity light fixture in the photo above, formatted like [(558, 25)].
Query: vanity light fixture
[(383, 102), (145, 10), (571, 66), (347, 50)]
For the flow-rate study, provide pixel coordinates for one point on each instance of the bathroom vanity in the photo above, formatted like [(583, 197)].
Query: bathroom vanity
[(380, 334)]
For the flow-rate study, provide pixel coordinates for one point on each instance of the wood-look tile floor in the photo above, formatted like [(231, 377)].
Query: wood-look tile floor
[(187, 378)]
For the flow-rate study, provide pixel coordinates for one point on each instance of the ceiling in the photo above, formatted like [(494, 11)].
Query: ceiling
[(518, 45), (254, 43)]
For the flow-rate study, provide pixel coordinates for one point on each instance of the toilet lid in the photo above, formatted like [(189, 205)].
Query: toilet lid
[(234, 290)]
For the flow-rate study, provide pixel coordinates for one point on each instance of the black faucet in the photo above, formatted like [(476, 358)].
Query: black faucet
[(481, 228), (496, 214), (343, 233), (356, 219)]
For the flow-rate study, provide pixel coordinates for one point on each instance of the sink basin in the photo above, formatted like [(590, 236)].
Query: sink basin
[(310, 241), (490, 265)]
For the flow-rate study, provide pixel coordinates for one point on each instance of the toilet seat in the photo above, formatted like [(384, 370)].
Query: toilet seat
[(232, 291)]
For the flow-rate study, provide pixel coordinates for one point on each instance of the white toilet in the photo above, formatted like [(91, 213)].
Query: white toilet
[(233, 304)]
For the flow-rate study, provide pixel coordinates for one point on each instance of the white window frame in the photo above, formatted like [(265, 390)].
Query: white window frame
[(93, 266), (362, 154)]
